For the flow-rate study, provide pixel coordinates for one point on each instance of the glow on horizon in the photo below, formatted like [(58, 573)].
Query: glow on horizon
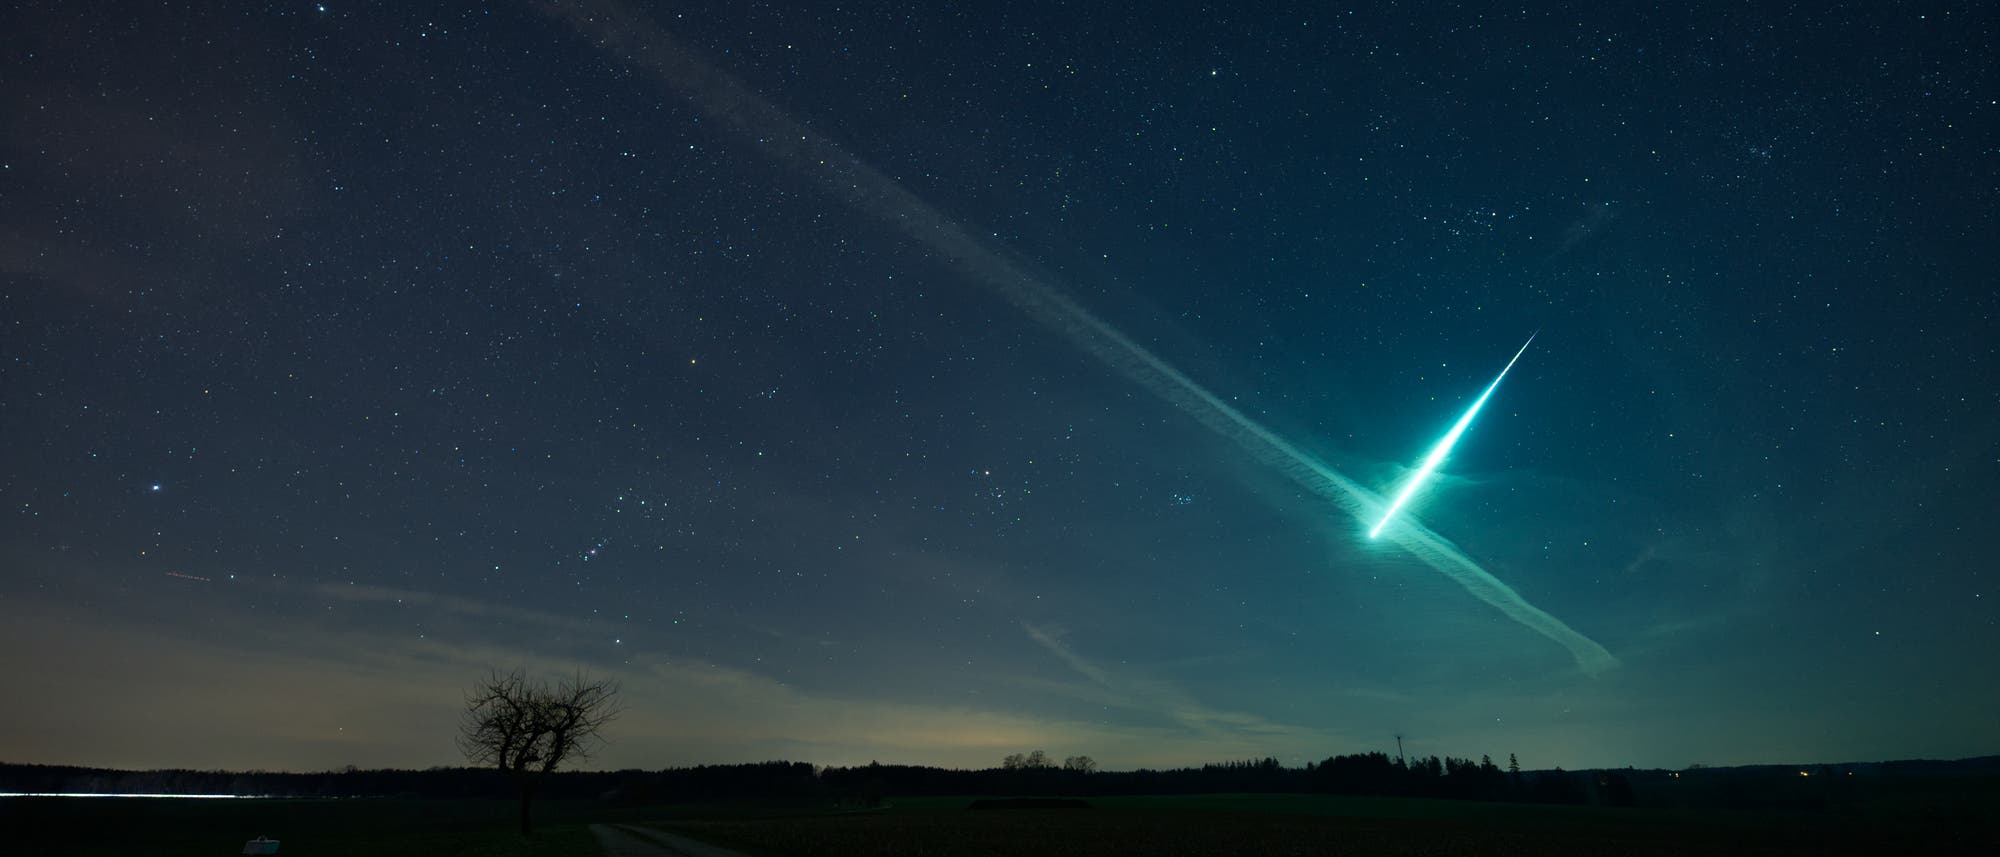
[(1444, 446), (125, 794)]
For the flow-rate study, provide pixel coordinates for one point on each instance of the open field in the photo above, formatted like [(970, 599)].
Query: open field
[(1319, 824), (139, 827), (1955, 822)]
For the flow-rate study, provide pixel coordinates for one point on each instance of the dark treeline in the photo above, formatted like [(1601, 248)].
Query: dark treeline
[(764, 779), (1358, 774), (1365, 774), (1361, 774)]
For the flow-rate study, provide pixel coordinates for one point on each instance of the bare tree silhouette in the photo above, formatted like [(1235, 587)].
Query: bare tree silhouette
[(527, 728)]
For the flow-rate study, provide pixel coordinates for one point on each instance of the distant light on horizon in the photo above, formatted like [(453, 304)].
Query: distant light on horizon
[(125, 794)]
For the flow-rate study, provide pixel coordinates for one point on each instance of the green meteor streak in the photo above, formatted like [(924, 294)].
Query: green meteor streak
[(629, 36), (1443, 447)]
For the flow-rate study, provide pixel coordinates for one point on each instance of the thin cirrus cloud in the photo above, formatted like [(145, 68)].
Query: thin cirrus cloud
[(304, 692), (759, 123), (1237, 733)]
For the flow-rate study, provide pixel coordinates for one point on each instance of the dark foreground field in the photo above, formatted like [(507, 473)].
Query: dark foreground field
[(1154, 826), (137, 827), (1318, 824)]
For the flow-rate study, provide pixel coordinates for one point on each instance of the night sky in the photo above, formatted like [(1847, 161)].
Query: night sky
[(932, 382)]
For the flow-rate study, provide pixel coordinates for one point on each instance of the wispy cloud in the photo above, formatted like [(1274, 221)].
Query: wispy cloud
[(1207, 724), (629, 35), (455, 605), (302, 692)]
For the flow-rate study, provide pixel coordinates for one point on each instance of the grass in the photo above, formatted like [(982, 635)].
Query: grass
[(1302, 824), (122, 827), (1155, 826)]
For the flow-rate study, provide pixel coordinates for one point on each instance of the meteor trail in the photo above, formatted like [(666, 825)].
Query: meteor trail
[(628, 35), (1443, 447)]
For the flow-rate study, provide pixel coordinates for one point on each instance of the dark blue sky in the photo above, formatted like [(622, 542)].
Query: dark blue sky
[(929, 384)]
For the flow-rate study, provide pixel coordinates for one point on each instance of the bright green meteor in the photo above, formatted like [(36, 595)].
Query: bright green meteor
[(1443, 447)]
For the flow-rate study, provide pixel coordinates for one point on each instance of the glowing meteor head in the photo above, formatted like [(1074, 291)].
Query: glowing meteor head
[(1444, 446)]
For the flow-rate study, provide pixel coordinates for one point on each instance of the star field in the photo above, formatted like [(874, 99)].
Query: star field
[(349, 351)]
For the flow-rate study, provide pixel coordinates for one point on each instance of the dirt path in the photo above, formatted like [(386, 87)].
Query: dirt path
[(625, 840)]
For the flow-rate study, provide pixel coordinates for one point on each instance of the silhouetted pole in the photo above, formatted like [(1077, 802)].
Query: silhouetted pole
[(1399, 752)]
